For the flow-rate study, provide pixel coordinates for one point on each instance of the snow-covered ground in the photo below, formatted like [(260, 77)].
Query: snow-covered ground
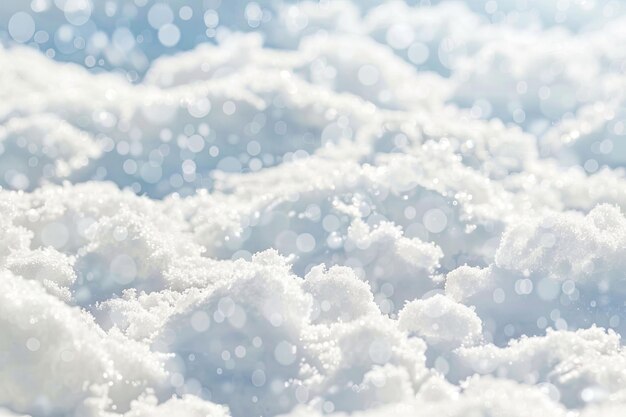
[(228, 208)]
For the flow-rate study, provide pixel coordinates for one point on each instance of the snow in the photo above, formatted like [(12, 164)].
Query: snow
[(279, 208)]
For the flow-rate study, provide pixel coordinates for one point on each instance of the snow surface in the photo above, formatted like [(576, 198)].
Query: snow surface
[(280, 208)]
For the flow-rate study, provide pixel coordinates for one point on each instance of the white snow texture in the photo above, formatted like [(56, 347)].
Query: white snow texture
[(228, 208)]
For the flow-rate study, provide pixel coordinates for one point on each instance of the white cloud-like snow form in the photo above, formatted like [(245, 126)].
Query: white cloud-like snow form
[(276, 208)]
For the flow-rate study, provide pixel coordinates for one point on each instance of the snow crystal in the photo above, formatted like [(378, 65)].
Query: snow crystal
[(344, 208)]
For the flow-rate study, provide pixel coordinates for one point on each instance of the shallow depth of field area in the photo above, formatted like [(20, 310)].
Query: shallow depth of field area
[(273, 208)]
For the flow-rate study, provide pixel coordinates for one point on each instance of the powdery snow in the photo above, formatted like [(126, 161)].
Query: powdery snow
[(342, 208)]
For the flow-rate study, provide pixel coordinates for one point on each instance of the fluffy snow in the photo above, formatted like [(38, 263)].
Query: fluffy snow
[(345, 208)]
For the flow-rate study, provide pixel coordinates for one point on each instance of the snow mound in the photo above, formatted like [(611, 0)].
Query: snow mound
[(312, 208)]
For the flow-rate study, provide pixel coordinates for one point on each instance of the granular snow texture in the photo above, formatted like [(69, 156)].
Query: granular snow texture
[(224, 208)]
